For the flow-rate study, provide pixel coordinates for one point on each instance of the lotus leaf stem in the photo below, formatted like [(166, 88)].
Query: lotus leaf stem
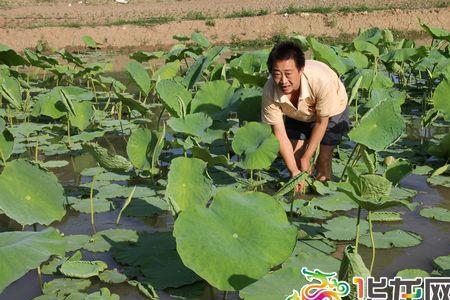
[(373, 242), (348, 161), (358, 221), (91, 200)]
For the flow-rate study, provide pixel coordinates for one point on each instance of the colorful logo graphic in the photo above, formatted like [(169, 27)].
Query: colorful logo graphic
[(323, 286)]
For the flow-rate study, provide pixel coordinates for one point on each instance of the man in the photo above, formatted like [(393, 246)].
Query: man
[(314, 102)]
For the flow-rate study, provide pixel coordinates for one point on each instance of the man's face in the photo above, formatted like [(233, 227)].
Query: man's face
[(287, 76)]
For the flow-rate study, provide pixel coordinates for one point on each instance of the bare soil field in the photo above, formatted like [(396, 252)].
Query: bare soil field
[(151, 24)]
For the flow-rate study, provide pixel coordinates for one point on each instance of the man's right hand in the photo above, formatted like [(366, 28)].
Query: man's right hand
[(300, 186)]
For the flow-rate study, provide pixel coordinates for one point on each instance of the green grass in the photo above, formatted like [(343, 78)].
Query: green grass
[(195, 15), (142, 22), (247, 13)]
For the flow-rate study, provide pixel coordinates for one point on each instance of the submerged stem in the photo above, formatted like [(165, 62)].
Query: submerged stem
[(373, 242), (91, 200), (358, 221)]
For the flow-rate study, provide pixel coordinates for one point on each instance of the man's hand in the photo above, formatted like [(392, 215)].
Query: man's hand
[(299, 186), (305, 164)]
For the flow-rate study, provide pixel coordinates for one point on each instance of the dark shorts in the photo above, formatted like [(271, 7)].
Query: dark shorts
[(338, 125)]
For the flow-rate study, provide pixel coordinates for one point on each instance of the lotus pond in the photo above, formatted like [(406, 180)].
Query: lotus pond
[(164, 184)]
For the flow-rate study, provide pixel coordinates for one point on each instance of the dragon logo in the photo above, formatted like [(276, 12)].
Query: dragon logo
[(328, 288)]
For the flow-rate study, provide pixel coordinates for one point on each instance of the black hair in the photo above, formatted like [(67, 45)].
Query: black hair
[(286, 50)]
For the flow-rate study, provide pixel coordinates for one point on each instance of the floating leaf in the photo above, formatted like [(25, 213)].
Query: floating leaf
[(252, 228), (412, 274), (256, 145), (65, 286), (30, 195), (82, 269), (99, 205), (442, 264), (76, 241), (101, 241), (379, 127), (140, 76), (112, 276), (187, 183), (436, 213), (391, 239), (344, 228), (334, 202), (23, 251)]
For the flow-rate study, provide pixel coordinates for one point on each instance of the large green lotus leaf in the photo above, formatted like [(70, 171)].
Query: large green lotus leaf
[(174, 96), (168, 71), (256, 145), (396, 171), (439, 180), (65, 286), (23, 251), (281, 283), (344, 228), (30, 195), (156, 256), (322, 246), (10, 57), (390, 239), (48, 104), (371, 35), (187, 183), (146, 207), (385, 216), (442, 264), (99, 205), (236, 240), (250, 105), (107, 160), (441, 150), (102, 241), (213, 97), (412, 274), (6, 145), (82, 269), (211, 159), (436, 33), (83, 114), (379, 127), (193, 124), (436, 213), (372, 186), (200, 39), (76, 241), (327, 55), (195, 71), (440, 98), (140, 146), (103, 294), (11, 91), (367, 47), (140, 76)]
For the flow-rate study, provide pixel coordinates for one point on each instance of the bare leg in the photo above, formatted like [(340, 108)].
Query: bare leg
[(323, 164), (299, 147)]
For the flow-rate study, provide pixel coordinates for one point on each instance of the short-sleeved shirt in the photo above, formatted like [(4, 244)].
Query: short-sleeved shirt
[(321, 93)]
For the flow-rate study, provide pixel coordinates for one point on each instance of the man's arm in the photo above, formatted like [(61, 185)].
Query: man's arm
[(317, 134), (286, 150)]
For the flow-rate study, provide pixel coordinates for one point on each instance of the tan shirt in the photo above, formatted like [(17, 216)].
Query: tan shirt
[(321, 93)]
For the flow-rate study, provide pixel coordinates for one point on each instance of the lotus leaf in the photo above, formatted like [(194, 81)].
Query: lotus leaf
[(99, 205), (200, 39), (440, 180), (193, 124), (112, 276), (174, 96), (389, 239), (437, 213), (440, 98), (313, 247), (344, 228), (6, 145), (11, 91), (442, 264), (436, 33), (213, 97), (211, 159), (140, 146), (82, 269), (30, 195), (385, 216), (83, 114), (412, 273), (107, 160), (76, 241), (250, 105), (10, 57), (146, 207), (256, 145), (139, 76), (187, 183), (281, 283), (102, 241), (156, 256), (168, 71), (334, 202), (193, 74), (367, 47), (65, 286), (396, 171), (236, 240), (379, 127), (352, 266), (327, 55), (23, 251), (55, 164)]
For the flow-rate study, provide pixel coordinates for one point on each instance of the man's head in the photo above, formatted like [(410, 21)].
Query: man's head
[(285, 64)]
